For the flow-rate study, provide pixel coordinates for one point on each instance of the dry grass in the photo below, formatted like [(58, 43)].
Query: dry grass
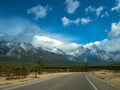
[(3, 80), (109, 76)]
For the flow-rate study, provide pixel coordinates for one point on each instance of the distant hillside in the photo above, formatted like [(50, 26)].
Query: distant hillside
[(25, 52)]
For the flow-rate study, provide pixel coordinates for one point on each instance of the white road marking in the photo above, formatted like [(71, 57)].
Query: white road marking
[(104, 81), (91, 82)]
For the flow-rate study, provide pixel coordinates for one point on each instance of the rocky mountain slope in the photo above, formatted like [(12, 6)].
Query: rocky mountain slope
[(20, 47)]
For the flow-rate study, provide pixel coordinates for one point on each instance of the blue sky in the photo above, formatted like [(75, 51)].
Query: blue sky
[(79, 21)]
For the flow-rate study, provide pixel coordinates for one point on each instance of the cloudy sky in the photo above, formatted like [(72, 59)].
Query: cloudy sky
[(85, 22)]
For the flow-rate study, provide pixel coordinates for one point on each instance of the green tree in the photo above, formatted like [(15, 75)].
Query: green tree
[(7, 69), (1, 70), (37, 68), (24, 71), (16, 71), (40, 66)]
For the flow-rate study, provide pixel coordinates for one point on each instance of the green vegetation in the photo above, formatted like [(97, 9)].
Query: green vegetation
[(37, 68), (19, 70), (14, 70)]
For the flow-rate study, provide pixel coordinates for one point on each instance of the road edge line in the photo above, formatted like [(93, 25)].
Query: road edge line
[(91, 82), (104, 81)]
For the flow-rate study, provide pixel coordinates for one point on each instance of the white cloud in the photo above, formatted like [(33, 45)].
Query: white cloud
[(85, 20), (117, 7), (109, 45), (32, 30), (90, 9), (66, 21), (115, 30), (49, 43), (72, 5), (89, 45), (60, 37), (97, 11), (39, 11)]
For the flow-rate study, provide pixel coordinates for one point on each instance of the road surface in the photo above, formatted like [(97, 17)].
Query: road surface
[(76, 81)]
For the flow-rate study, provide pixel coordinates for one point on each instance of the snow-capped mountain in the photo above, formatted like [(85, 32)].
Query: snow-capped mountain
[(29, 53), (3, 48), (55, 50), (21, 50), (93, 54), (19, 46), (82, 54), (26, 36)]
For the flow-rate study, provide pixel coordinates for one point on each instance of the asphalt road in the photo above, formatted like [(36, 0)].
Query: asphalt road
[(76, 81)]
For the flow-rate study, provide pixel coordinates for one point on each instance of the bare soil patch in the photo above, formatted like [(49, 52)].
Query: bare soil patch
[(109, 76)]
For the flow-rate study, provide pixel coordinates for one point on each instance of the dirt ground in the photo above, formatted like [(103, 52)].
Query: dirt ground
[(109, 76), (3, 80)]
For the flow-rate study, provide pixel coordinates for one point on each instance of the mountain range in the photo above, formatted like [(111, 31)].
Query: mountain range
[(20, 48)]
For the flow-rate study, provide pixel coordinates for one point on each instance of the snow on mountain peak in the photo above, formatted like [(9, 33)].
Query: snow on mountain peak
[(24, 46), (50, 43)]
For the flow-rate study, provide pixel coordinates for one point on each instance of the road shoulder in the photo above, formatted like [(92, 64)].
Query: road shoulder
[(32, 81), (101, 84)]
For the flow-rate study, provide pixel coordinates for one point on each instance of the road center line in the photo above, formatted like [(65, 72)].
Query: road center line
[(91, 82)]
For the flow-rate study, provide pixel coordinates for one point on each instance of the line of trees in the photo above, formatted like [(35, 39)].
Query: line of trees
[(19, 70), (37, 68), (22, 70), (114, 67)]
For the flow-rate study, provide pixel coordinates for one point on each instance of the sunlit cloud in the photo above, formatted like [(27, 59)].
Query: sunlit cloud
[(39, 11), (72, 5), (66, 21)]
